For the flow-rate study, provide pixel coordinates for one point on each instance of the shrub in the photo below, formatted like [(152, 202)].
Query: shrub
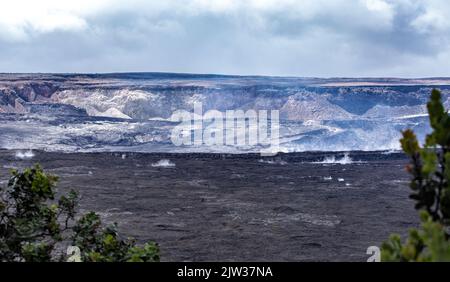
[(428, 244), (430, 185), (37, 227)]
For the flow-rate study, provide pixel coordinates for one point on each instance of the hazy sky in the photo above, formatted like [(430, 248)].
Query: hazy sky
[(404, 38)]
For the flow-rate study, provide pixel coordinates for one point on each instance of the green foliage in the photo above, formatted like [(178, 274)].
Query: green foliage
[(430, 185), (429, 165), (34, 225), (104, 245), (428, 244)]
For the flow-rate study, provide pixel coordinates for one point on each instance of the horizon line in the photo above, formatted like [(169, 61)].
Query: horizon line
[(228, 75)]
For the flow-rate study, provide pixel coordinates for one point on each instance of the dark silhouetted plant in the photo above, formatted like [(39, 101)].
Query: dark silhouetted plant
[(430, 185), (103, 244), (37, 227)]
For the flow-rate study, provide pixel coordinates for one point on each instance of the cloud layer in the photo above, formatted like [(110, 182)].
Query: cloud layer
[(405, 38)]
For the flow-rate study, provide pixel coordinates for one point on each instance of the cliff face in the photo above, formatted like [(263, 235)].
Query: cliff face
[(104, 112), (14, 95), (152, 95)]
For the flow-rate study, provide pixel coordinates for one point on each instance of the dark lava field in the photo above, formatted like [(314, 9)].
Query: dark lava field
[(214, 207)]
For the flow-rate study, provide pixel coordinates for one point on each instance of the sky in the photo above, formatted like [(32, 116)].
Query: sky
[(308, 38)]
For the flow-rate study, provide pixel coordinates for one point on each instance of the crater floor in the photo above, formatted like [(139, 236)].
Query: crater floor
[(213, 207)]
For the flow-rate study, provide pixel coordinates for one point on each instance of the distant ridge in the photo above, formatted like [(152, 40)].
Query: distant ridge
[(311, 81)]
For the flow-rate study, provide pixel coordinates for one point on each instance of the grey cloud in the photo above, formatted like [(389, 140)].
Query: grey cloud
[(338, 38)]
